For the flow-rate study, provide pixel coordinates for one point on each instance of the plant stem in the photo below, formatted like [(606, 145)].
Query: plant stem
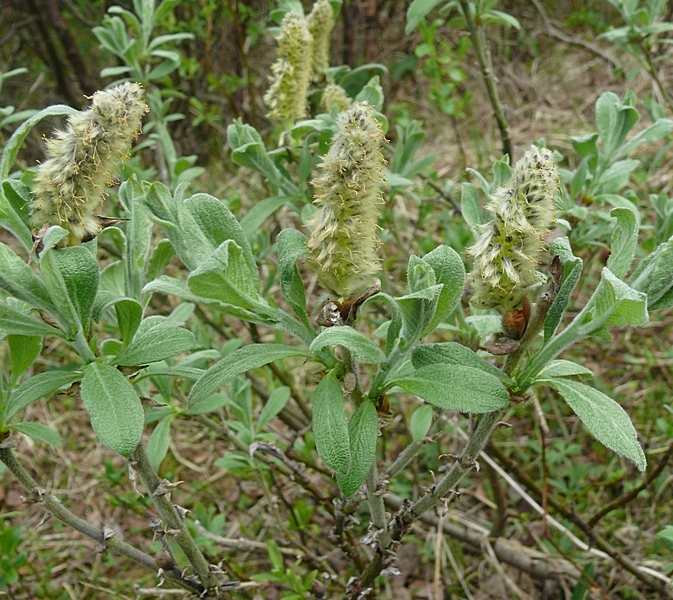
[(476, 38), (115, 545), (377, 508), (170, 516)]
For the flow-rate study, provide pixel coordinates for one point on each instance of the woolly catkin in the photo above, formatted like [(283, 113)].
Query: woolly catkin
[(507, 252), (344, 242), (70, 185)]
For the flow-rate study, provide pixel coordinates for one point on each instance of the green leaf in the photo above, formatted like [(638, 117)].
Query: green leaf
[(276, 402), (138, 237), (15, 321), (39, 386), (20, 281), (363, 431), (563, 368), (129, 314), (225, 276), (156, 344), (417, 311), (614, 121), (157, 445), (456, 387), (654, 276), (259, 213), (330, 425), (420, 422), (603, 417), (452, 353), (417, 11), (161, 256), (658, 130), (247, 150), (210, 404), (242, 360), (71, 275), (624, 241), (114, 407), (572, 269), (38, 432), (291, 247), (360, 347), (23, 350), (449, 271)]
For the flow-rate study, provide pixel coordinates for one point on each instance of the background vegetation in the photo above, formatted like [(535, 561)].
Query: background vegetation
[(551, 513)]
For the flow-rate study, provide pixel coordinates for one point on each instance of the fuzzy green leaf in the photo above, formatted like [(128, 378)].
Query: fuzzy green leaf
[(654, 276), (603, 417), (614, 120), (115, 409), (138, 237), (420, 422), (361, 347), (456, 387), (16, 321), (157, 445), (38, 432), (417, 11), (23, 350), (225, 276), (330, 425), (71, 275), (452, 353), (291, 247), (471, 207), (363, 431), (129, 315), (276, 402), (158, 343), (624, 241), (564, 368), (242, 360), (449, 271), (39, 386), (572, 269), (20, 281)]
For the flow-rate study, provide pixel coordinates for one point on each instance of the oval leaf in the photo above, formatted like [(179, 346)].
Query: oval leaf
[(456, 387), (363, 431), (39, 432), (39, 386), (420, 422), (603, 417), (116, 412), (155, 345), (330, 425), (362, 348), (242, 360)]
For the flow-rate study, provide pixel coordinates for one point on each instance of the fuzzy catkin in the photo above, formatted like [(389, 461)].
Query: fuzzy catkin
[(507, 252), (320, 23), (70, 185), (291, 73), (335, 96), (344, 242)]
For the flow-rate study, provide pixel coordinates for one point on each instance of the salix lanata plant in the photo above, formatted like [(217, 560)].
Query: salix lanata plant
[(344, 242), (507, 253), (70, 185), (291, 73)]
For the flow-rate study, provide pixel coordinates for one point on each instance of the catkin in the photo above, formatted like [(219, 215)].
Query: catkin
[(71, 184), (506, 254), (344, 231)]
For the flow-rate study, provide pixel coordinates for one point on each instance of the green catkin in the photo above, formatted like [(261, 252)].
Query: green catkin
[(344, 242), (506, 254), (291, 73), (320, 24), (82, 160), (335, 96)]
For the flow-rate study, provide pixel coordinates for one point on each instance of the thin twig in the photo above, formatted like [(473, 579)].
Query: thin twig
[(108, 542)]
